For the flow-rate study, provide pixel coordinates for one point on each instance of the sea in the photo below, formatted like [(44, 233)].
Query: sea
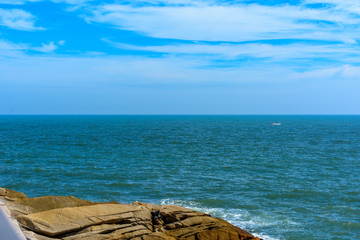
[(297, 180)]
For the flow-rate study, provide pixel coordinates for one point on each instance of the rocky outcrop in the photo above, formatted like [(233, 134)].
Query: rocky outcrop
[(70, 218)]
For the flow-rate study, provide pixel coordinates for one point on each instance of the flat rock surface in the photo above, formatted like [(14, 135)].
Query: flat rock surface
[(70, 218)]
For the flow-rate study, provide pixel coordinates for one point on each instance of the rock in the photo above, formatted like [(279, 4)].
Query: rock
[(11, 195), (70, 218), (20, 204), (40, 204)]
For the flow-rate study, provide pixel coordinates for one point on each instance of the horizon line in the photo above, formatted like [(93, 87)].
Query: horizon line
[(178, 114)]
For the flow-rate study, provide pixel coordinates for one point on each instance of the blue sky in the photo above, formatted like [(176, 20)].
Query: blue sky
[(179, 57)]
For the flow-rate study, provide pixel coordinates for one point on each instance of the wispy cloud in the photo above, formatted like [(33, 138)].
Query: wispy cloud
[(345, 73), (46, 48), (230, 23), (167, 70), (340, 52), (135, 71), (9, 49), (351, 6), (18, 19), (20, 2), (17, 2), (19, 50), (171, 2), (74, 2)]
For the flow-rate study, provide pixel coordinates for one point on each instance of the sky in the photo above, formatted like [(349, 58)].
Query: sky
[(179, 57)]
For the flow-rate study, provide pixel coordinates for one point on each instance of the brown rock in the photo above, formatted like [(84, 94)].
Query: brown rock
[(70, 218), (60, 221), (20, 204), (40, 204), (183, 223), (11, 195)]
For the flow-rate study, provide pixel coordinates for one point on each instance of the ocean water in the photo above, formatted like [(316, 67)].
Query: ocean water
[(300, 180)]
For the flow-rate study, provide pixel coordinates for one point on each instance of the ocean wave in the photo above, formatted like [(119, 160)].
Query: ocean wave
[(238, 217)]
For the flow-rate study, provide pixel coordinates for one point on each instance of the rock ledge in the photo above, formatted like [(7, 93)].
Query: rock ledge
[(70, 218)]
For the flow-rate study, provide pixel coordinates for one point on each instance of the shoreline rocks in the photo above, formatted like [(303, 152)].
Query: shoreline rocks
[(70, 218)]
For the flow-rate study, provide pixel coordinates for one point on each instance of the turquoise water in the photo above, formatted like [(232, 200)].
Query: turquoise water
[(300, 180)]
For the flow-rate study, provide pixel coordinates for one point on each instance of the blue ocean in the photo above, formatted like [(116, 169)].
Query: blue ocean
[(297, 180)]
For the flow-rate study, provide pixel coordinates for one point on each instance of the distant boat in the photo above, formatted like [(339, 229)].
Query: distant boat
[(276, 123)]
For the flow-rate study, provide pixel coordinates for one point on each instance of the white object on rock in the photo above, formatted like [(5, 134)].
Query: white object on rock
[(9, 228)]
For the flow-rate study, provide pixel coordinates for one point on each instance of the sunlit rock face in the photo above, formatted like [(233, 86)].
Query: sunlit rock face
[(70, 218)]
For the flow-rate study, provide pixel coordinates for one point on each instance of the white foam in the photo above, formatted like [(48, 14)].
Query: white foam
[(265, 237), (238, 217)]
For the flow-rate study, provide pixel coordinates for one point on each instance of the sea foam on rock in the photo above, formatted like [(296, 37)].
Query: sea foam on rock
[(70, 218)]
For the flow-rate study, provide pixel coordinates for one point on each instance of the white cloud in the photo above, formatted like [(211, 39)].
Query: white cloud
[(74, 2), (172, 2), (227, 51), (351, 6), (345, 71), (17, 2), (141, 70), (5, 45), (46, 48), (230, 23), (8, 49), (18, 19), (104, 70), (20, 2)]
